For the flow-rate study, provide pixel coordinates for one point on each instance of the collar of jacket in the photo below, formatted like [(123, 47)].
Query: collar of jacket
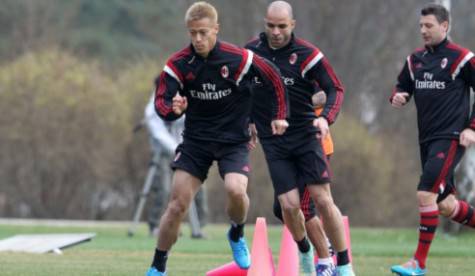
[(211, 53), (263, 38), (435, 48)]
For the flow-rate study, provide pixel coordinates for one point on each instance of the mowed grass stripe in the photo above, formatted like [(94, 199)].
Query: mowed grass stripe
[(111, 252)]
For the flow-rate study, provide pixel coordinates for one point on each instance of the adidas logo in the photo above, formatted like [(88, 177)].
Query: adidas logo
[(325, 174)]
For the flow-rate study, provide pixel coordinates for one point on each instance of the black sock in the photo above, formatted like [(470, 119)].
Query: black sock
[(304, 245), (342, 258), (160, 260), (236, 231)]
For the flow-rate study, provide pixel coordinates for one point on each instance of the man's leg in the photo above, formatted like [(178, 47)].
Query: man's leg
[(439, 159), (458, 211), (313, 225), (429, 220), (184, 188), (292, 215), (287, 202), (319, 240), (333, 224), (295, 221), (237, 208), (314, 230), (317, 236)]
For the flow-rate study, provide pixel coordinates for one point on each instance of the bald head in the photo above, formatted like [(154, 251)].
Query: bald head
[(279, 24), (280, 8)]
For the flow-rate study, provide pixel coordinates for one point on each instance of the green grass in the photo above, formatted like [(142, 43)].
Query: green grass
[(111, 252)]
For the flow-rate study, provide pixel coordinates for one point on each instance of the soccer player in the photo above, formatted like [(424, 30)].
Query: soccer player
[(209, 80), (313, 225), (438, 77), (298, 155)]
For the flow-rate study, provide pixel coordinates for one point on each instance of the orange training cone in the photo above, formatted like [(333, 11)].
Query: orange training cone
[(288, 258), (229, 269), (346, 223), (261, 256)]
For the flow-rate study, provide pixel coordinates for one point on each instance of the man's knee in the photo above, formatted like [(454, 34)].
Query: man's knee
[(426, 198), (236, 185), (290, 200), (325, 205), (447, 206), (291, 209), (324, 200), (178, 207)]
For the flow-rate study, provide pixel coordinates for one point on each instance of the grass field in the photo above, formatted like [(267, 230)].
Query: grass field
[(111, 252)]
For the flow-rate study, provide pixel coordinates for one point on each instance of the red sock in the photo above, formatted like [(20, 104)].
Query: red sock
[(429, 221), (464, 214)]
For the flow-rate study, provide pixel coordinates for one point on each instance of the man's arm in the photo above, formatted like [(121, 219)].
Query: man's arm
[(468, 73), (399, 99), (271, 76), (467, 136), (323, 73), (168, 104), (316, 68), (404, 88)]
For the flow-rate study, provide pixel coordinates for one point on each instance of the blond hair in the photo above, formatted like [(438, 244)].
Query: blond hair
[(200, 10)]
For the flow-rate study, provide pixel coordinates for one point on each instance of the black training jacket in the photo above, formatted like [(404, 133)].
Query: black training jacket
[(218, 91), (303, 68), (439, 80)]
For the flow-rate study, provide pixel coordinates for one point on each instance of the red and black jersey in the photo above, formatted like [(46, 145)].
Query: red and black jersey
[(439, 79), (303, 67), (218, 91)]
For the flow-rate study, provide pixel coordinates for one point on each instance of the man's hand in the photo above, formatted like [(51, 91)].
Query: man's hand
[(179, 104), (467, 137), (279, 126), (254, 140), (319, 99), (322, 124), (400, 99)]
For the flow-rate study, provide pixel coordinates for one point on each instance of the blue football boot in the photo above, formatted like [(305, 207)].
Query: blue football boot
[(240, 252), (154, 272), (409, 269)]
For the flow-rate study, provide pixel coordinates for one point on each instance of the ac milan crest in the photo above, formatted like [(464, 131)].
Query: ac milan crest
[(441, 155), (443, 63), (190, 76), (293, 58), (224, 71)]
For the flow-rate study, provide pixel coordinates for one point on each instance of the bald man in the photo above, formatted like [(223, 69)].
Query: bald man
[(297, 156)]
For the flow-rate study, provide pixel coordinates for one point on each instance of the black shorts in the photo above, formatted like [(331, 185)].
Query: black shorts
[(295, 159), (306, 203), (196, 157), (439, 159)]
